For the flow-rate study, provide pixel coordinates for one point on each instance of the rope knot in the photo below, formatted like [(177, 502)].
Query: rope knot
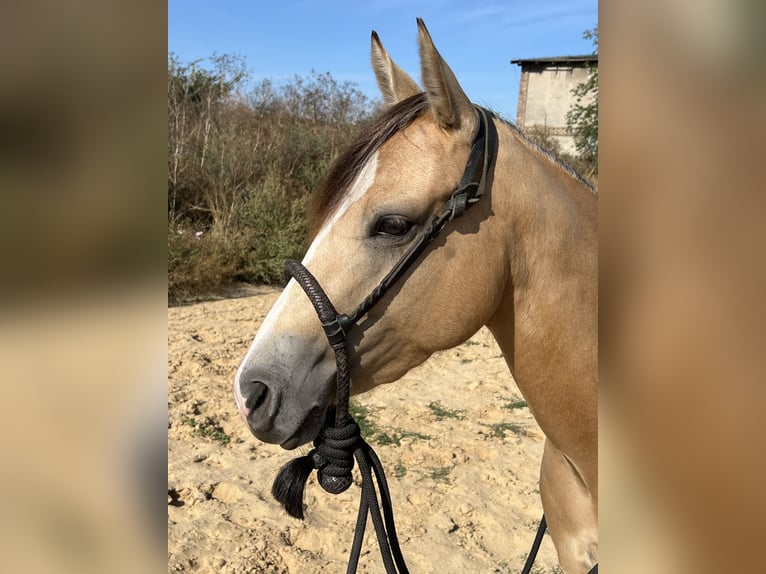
[(336, 446)]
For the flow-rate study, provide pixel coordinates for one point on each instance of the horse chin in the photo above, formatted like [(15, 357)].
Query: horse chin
[(309, 429)]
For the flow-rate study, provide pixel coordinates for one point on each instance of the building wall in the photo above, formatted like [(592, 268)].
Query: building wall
[(545, 97)]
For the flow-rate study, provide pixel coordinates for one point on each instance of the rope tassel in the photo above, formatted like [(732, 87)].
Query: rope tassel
[(291, 482)]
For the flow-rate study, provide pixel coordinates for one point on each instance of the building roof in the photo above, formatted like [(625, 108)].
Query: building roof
[(588, 58)]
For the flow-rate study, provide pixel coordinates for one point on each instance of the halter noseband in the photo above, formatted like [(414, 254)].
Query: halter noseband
[(338, 445)]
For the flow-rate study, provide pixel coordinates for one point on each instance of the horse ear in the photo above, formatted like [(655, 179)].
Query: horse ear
[(394, 82), (450, 105)]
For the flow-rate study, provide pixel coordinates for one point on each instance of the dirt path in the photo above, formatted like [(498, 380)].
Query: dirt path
[(460, 449)]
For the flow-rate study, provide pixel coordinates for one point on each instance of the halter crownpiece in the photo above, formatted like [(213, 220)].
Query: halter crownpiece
[(336, 446)]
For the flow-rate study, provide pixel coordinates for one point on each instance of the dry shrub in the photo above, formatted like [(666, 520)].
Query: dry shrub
[(199, 265), (241, 166)]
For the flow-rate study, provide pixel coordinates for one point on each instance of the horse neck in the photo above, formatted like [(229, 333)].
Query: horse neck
[(546, 323)]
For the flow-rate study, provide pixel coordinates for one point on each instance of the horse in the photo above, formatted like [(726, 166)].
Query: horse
[(522, 261)]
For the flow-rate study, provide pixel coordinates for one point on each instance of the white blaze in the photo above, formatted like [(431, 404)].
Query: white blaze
[(360, 187)]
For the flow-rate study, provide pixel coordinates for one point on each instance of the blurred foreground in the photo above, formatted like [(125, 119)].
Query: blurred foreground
[(83, 177)]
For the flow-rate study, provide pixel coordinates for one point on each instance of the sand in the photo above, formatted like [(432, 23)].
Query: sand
[(459, 446)]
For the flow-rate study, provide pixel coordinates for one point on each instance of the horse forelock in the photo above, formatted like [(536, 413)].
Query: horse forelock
[(347, 167)]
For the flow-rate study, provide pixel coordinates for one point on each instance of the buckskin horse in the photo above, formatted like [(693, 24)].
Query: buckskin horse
[(517, 252)]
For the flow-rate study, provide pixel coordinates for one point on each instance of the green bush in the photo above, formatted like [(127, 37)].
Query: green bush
[(273, 230)]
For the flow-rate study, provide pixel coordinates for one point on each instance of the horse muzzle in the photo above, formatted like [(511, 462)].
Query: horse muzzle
[(278, 410)]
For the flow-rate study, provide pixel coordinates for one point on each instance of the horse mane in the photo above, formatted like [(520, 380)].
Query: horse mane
[(524, 138), (346, 168)]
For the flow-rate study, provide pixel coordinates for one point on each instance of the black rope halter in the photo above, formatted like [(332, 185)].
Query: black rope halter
[(335, 449), (338, 445)]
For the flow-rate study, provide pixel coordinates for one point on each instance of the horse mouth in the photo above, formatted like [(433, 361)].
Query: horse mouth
[(309, 429), (317, 419)]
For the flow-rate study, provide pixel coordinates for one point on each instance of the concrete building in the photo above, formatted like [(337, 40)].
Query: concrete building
[(545, 94)]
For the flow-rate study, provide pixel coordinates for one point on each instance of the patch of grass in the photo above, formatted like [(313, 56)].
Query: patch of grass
[(207, 429), (498, 430), (466, 361), (373, 433), (395, 437), (515, 405), (471, 343), (361, 415), (413, 434), (439, 474), (400, 471), (441, 412)]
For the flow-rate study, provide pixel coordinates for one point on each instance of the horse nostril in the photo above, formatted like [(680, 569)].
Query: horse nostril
[(256, 393)]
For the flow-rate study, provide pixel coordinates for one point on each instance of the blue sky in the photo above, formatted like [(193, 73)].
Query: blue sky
[(280, 39)]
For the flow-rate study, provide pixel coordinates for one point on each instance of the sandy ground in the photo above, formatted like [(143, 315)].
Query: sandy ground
[(461, 454)]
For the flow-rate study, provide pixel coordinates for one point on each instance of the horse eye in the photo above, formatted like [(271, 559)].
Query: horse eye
[(393, 226)]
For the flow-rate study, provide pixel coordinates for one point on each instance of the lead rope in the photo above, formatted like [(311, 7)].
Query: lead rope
[(535, 546), (336, 447)]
